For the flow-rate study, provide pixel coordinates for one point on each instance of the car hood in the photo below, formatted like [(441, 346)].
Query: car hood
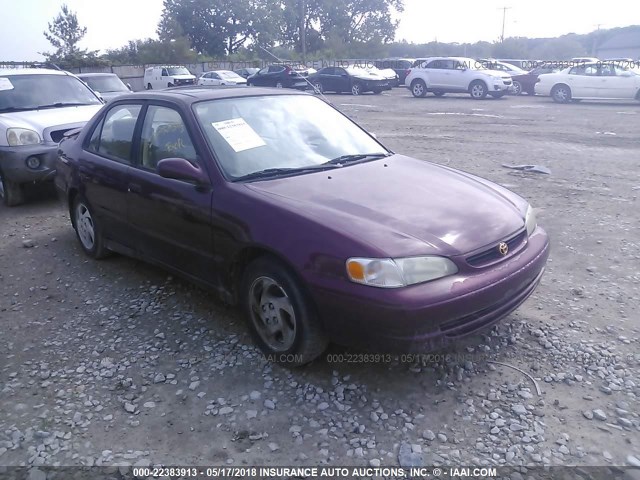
[(39, 120), (496, 73), (403, 206), (183, 77)]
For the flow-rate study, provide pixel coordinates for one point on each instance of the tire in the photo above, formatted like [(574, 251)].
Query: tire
[(318, 88), (478, 90), (517, 88), (561, 93), (438, 94), (497, 94), (149, 87), (88, 229), (356, 89), (270, 292), (377, 91), (169, 85), (418, 88), (279, 85), (11, 193)]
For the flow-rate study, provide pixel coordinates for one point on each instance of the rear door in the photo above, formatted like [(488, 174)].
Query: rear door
[(171, 219), (104, 170)]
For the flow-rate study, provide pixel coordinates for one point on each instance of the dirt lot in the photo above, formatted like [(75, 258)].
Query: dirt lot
[(117, 363)]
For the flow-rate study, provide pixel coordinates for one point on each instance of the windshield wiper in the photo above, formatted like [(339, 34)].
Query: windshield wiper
[(62, 104), (344, 159), (270, 172), (16, 109)]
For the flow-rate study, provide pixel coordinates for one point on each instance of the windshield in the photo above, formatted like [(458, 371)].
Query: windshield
[(178, 71), (30, 92), (107, 83), (253, 134)]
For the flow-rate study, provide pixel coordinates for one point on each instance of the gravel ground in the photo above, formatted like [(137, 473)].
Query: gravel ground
[(116, 363)]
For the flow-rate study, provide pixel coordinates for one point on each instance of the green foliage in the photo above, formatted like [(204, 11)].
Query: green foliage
[(140, 52), (64, 34)]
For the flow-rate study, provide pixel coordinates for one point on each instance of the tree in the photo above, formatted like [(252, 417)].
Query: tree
[(140, 52), (64, 34)]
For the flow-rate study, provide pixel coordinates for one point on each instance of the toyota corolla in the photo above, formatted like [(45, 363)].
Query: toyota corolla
[(286, 208)]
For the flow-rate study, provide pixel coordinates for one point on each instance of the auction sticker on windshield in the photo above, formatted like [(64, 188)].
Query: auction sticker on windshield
[(5, 84), (238, 134)]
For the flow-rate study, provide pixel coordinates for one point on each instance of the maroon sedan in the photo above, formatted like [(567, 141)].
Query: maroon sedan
[(287, 208)]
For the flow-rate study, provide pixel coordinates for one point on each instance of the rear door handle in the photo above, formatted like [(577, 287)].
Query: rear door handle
[(134, 188)]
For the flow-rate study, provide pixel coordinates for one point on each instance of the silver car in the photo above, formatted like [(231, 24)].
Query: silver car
[(106, 85)]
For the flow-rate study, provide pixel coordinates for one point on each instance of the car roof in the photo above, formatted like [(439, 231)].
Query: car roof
[(192, 94), (96, 74), (31, 71)]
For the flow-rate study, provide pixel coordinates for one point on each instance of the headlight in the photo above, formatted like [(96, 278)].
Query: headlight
[(398, 272), (22, 136), (530, 220)]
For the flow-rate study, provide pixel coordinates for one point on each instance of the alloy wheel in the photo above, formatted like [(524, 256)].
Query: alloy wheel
[(85, 226), (272, 314)]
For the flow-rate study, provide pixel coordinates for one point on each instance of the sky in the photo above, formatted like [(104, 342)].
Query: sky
[(110, 24)]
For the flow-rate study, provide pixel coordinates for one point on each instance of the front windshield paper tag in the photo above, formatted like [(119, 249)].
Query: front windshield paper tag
[(238, 134), (5, 84)]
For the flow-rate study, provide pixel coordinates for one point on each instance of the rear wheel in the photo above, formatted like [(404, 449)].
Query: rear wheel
[(356, 89), (11, 193), (281, 318), (418, 88), (88, 229), (561, 93), (478, 90)]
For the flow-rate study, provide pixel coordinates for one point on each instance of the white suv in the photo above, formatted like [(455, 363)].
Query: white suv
[(442, 75), (37, 107), (166, 76)]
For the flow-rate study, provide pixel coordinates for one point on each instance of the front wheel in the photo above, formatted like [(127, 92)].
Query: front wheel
[(169, 85), (281, 318), (11, 193), (418, 88), (88, 229), (318, 88), (561, 93), (279, 85), (149, 87), (517, 88), (478, 90), (356, 89)]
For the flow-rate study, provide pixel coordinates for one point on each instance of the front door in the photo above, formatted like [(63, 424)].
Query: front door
[(171, 218)]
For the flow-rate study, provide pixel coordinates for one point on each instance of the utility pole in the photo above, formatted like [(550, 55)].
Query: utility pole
[(504, 16), (596, 40), (303, 29)]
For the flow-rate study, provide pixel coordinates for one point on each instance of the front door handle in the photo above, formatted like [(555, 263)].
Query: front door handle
[(134, 188)]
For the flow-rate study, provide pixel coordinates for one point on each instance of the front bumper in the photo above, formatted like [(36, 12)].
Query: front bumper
[(429, 316), (13, 162)]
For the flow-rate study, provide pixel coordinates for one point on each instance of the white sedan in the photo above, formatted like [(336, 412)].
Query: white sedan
[(594, 81), (221, 77)]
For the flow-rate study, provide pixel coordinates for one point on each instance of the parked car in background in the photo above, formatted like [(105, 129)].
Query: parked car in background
[(167, 76), (523, 64), (526, 82), (246, 72), (584, 60), (291, 211), (221, 77), (594, 81), (512, 70), (279, 76), (106, 85), (37, 107), (351, 79), (387, 74), (399, 65), (442, 75)]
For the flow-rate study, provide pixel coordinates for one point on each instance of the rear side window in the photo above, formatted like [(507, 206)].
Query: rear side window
[(113, 137)]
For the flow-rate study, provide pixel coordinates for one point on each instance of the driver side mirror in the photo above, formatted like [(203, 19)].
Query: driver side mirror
[(129, 87), (181, 169)]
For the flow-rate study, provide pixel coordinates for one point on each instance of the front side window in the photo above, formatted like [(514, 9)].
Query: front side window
[(253, 134), (116, 134), (164, 135), (41, 91)]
